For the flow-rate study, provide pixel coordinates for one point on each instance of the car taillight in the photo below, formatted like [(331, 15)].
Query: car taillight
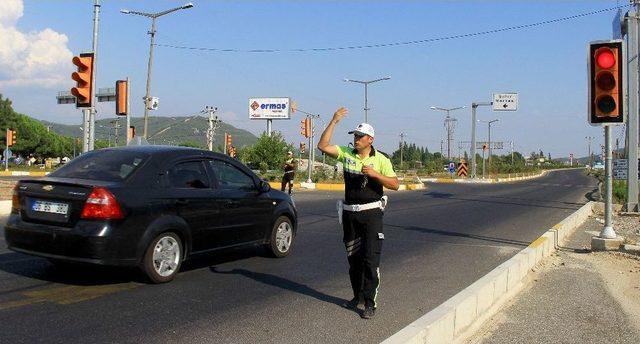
[(101, 205), (15, 201)]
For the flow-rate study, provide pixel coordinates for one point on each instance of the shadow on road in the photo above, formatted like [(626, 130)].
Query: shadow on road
[(514, 201), (461, 235), (70, 274), (283, 283)]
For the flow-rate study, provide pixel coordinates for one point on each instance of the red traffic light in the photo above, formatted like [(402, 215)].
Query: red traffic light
[(606, 89), (605, 58)]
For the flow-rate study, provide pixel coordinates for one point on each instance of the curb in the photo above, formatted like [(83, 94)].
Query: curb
[(22, 174), (464, 313), (483, 181)]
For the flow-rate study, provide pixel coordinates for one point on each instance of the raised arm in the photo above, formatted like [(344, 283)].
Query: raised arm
[(325, 144)]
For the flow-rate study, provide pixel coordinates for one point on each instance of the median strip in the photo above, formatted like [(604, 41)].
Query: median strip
[(465, 312)]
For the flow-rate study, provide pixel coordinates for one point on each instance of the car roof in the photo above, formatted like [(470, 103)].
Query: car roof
[(164, 150)]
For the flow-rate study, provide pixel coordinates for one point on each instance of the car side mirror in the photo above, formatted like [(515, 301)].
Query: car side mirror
[(264, 186)]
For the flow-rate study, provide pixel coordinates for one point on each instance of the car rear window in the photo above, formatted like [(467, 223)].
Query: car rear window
[(106, 165)]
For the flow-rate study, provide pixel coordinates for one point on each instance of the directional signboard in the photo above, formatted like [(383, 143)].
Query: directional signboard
[(505, 102), (452, 167)]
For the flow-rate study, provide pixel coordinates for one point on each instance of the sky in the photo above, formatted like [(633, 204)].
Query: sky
[(545, 64)]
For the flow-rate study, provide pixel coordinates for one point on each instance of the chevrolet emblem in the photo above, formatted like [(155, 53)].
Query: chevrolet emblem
[(47, 187)]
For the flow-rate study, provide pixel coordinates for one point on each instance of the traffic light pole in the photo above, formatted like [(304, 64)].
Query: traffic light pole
[(633, 109), (608, 232), (310, 161), (92, 110)]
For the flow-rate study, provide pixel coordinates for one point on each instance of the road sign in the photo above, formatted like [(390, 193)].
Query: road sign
[(505, 102), (620, 168), (7, 153), (462, 169), (452, 167)]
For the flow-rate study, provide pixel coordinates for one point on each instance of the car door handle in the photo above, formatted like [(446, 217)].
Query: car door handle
[(182, 202)]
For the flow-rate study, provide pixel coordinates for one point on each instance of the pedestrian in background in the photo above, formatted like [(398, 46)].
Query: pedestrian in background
[(289, 172)]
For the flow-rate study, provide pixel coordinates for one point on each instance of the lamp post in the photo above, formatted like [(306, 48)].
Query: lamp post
[(489, 138), (366, 85), (153, 17), (449, 124)]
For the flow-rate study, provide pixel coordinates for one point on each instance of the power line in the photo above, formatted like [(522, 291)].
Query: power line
[(395, 44)]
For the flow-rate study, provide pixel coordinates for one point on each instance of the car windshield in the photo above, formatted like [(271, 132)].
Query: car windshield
[(107, 165)]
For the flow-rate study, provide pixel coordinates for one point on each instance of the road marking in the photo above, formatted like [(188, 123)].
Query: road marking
[(67, 295)]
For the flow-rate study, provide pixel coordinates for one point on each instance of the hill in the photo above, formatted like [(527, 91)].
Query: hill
[(162, 130)]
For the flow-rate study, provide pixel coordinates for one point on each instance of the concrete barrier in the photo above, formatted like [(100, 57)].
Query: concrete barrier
[(461, 315), (23, 173), (339, 187)]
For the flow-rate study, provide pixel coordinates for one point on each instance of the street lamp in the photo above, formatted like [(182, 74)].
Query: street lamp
[(153, 17), (489, 143), (366, 84), (449, 124)]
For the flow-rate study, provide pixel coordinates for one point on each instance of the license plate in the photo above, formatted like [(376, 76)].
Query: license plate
[(50, 207)]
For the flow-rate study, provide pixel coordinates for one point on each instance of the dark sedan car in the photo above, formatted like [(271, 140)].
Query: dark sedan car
[(148, 206)]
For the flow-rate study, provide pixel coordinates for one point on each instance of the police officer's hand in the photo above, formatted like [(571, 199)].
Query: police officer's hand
[(339, 114), (370, 172)]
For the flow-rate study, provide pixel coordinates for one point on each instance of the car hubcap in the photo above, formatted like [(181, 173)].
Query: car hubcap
[(166, 256), (284, 235)]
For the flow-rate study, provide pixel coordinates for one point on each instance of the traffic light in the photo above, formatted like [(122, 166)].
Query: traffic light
[(83, 77), (232, 151), (227, 139), (305, 127), (606, 96), (122, 98), (302, 147), (10, 140)]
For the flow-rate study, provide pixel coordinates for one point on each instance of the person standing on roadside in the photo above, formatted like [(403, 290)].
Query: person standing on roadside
[(289, 172), (366, 172)]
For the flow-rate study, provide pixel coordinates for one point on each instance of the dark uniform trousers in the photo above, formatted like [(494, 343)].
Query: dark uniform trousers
[(363, 239)]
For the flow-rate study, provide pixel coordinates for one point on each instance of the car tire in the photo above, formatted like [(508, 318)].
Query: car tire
[(281, 238), (163, 258)]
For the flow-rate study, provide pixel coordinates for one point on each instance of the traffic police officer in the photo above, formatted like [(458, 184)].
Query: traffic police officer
[(366, 172)]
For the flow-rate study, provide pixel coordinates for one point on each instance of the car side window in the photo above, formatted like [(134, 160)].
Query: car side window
[(231, 177), (191, 175)]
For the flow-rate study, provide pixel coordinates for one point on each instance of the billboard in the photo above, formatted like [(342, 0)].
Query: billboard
[(269, 108)]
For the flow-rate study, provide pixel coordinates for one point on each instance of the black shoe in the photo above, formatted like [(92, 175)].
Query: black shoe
[(351, 304), (368, 312)]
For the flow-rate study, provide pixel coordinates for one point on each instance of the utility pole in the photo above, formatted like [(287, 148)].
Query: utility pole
[(473, 135), (449, 124), (633, 107), (116, 125), (402, 135), (511, 152), (214, 123), (589, 138)]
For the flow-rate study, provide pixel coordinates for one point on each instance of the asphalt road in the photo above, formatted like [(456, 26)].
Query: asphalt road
[(438, 241)]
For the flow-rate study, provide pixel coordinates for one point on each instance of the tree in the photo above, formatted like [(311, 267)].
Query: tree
[(269, 150)]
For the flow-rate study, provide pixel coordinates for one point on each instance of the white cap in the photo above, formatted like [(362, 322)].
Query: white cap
[(363, 129)]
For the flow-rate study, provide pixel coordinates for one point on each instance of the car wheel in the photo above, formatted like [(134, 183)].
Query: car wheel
[(163, 258), (281, 237)]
